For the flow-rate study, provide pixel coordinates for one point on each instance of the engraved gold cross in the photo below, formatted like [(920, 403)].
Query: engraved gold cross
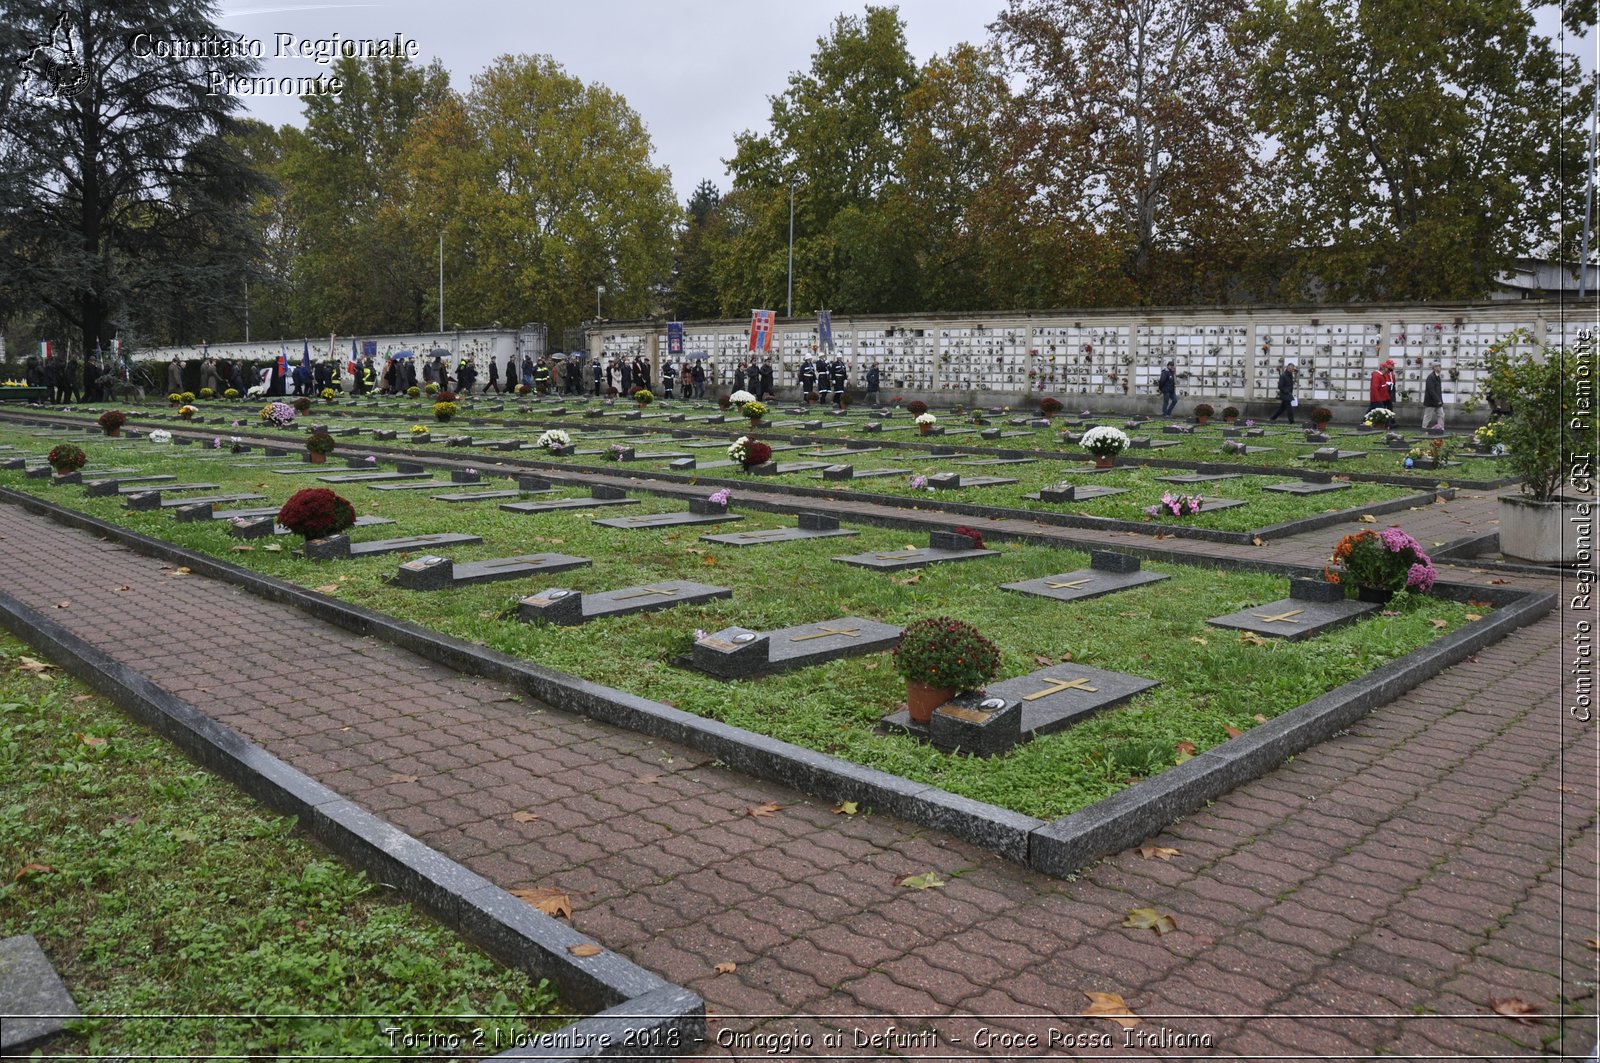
[(1058, 685), (824, 631), (1281, 618), (645, 591), (898, 557), (1070, 585)]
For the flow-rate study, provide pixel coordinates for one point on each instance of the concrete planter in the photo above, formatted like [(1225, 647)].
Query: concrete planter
[(1546, 533)]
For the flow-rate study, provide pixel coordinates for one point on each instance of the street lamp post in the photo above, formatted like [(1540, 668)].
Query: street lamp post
[(599, 290), (789, 309), (441, 282)]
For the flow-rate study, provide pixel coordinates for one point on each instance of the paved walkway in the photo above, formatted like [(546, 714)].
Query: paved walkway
[(1370, 897)]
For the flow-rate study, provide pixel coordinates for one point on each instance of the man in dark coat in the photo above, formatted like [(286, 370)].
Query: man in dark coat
[(699, 380), (767, 382), (1286, 402), (1168, 386), (841, 376), (874, 378), (1433, 399), (808, 378)]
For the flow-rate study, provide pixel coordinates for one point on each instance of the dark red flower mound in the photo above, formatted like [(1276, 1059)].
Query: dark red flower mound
[(756, 453), (974, 534), (316, 513), (916, 407), (445, 396), (1049, 406)]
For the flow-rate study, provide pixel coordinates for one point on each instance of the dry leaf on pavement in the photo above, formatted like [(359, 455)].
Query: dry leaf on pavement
[(1150, 919), (551, 902), (928, 880), (1151, 851), (727, 968), (585, 950), (1515, 1008), (1110, 1006), (762, 811)]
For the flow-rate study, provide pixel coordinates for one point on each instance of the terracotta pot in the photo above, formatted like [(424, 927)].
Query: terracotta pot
[(1105, 463), (1202, 420), (1381, 595), (924, 429), (921, 700), (113, 432), (317, 457)]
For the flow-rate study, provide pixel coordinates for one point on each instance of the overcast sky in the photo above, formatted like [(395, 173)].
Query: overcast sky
[(697, 71)]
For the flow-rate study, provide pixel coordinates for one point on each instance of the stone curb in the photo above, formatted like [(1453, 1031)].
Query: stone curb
[(631, 1001)]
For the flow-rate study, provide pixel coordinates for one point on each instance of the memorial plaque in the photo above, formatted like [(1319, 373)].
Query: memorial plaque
[(569, 607), (371, 477), (738, 653), (915, 557), (432, 572), (1313, 606), (775, 535), (474, 496), (340, 546), (1091, 582), (1074, 493), (1335, 454), (35, 1003), (666, 520), (1198, 478), (1057, 697), (558, 504), (1303, 487), (414, 485), (164, 487), (999, 461)]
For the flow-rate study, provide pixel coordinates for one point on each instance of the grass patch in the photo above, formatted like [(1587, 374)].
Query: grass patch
[(171, 895), (1211, 681)]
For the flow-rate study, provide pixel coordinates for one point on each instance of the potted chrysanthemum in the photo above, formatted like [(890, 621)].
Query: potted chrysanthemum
[(111, 422), (940, 657), (319, 445), (1381, 564), (1105, 443)]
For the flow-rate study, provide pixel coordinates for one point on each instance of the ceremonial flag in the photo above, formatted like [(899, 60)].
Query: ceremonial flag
[(675, 338), (761, 330), (283, 361), (825, 330), (45, 349), (122, 356), (305, 355), (354, 358)]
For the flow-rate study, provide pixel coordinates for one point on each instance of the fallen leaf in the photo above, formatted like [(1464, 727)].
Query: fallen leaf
[(1250, 638), (181, 570), (928, 880), (708, 559), (524, 817), (762, 811), (1256, 540), (1198, 639), (124, 589), (871, 666), (1066, 656), (1494, 582), (1185, 751), (92, 741), (1439, 623), (1110, 1006), (914, 578), (273, 548), (1367, 518), (1472, 616), (327, 588), (1258, 718), (1479, 605), (31, 869), (63, 605), (1150, 919), (1593, 943), (1515, 1008), (727, 968), (585, 950), (397, 777), (845, 808), (32, 666), (1233, 732), (1151, 851), (82, 697), (1044, 662), (551, 902)]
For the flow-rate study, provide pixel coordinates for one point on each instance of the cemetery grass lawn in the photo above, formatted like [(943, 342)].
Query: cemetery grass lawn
[(168, 893)]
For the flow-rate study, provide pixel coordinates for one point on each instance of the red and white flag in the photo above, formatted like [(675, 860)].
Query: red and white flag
[(761, 330)]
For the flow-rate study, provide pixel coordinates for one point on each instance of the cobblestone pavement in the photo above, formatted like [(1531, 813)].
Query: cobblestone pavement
[(1368, 898)]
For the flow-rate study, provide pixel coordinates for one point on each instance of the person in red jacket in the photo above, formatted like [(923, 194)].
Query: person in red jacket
[(1382, 390)]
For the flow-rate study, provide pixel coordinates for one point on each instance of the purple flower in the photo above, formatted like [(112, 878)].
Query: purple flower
[(918, 482), (719, 498), (216, 442), (372, 459), (1421, 577)]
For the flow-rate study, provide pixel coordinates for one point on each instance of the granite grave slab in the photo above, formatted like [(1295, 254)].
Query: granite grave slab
[(35, 1003), (666, 520), (942, 548), (810, 526), (371, 477), (739, 653), (1303, 487), (339, 546), (1065, 492), (1108, 572), (1313, 607), (1198, 478), (558, 504), (568, 607), (432, 572)]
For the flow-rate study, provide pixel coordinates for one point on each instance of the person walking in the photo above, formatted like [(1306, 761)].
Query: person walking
[(1381, 389), (874, 377), (699, 380), (494, 376), (1433, 400), (1286, 400), (1168, 386)]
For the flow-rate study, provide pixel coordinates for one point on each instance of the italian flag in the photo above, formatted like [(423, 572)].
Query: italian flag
[(44, 349)]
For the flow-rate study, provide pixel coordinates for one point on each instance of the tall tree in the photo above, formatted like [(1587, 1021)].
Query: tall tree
[(694, 292), (119, 191), (1421, 140), (545, 191), (361, 267), (836, 137), (1131, 124)]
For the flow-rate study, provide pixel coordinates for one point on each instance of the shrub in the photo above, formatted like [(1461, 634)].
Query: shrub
[(66, 457), (1104, 441), (445, 396), (187, 396), (754, 410), (320, 442), (643, 396), (1230, 411), (316, 513), (414, 392), (328, 394), (280, 414), (301, 404), (750, 452), (1549, 434), (942, 652)]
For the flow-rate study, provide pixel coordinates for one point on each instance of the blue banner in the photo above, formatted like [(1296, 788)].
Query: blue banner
[(675, 338), (825, 330), (369, 348)]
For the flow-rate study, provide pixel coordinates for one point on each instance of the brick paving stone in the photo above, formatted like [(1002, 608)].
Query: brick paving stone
[(1350, 878)]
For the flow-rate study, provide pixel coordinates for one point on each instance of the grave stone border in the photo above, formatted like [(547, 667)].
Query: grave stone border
[(1055, 848)]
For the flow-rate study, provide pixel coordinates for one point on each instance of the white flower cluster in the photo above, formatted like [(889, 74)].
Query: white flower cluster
[(553, 438), (926, 418), (1104, 441), (160, 435), (736, 449)]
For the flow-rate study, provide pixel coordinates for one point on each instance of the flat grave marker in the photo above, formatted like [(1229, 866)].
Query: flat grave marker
[(942, 546), (1198, 478), (568, 607), (1304, 487), (371, 477), (1313, 606), (36, 1004), (665, 520), (739, 653), (1052, 699), (1108, 572), (810, 526), (432, 572), (339, 546), (1064, 492)]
